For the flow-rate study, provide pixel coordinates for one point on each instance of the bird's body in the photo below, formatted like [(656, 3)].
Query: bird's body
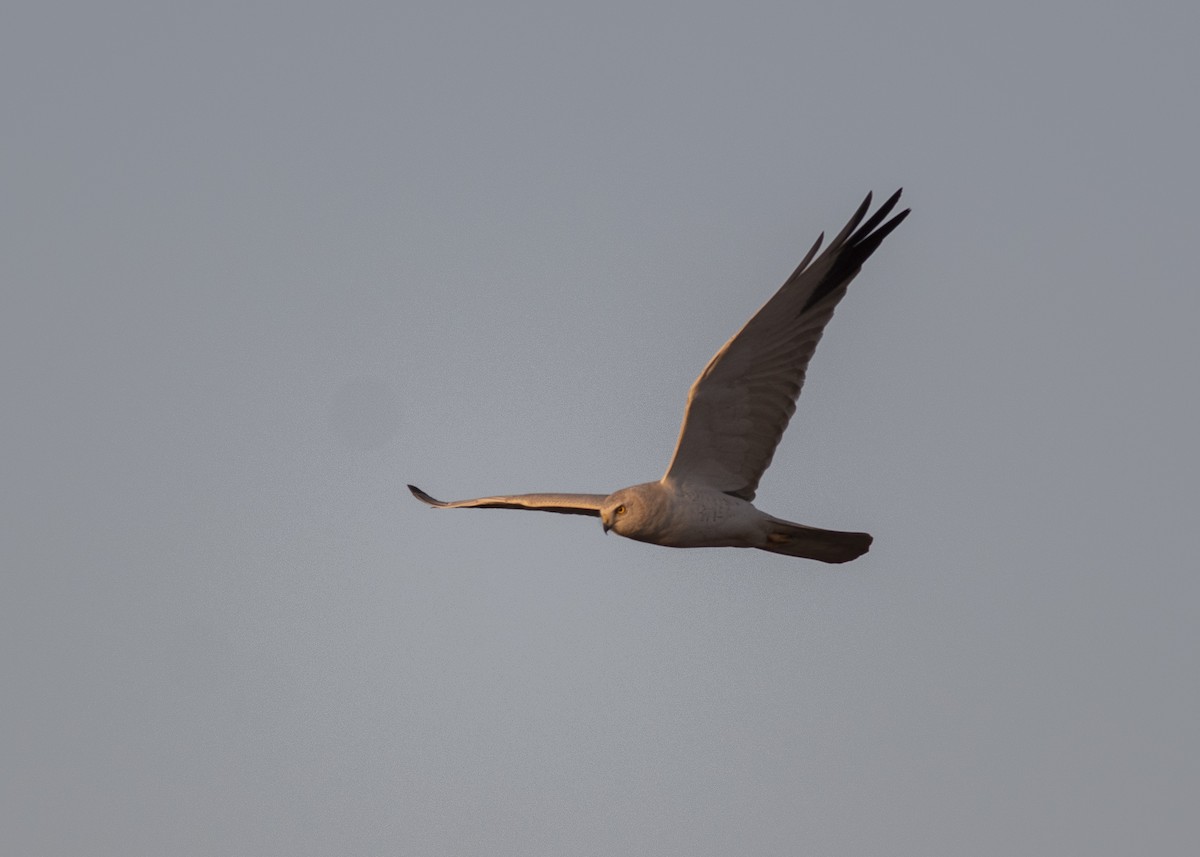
[(736, 413), (681, 516), (697, 516)]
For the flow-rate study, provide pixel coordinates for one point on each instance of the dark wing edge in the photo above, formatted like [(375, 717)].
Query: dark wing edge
[(852, 247), (563, 504)]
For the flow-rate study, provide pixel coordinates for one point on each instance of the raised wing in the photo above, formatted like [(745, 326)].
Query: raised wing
[(566, 504), (741, 403)]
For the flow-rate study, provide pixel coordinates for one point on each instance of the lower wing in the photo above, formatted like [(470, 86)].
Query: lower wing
[(566, 504)]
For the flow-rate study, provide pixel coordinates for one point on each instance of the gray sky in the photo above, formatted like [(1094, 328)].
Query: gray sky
[(265, 263)]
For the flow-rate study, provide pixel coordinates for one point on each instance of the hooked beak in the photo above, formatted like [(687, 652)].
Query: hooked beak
[(607, 526)]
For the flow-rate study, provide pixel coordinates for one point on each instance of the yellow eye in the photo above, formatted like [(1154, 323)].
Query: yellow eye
[(621, 509)]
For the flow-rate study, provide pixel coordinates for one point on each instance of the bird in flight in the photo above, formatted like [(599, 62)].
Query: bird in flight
[(736, 413)]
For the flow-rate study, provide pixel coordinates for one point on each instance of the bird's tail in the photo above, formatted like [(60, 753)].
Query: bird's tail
[(812, 543)]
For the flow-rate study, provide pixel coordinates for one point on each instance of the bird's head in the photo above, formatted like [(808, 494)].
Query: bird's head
[(629, 510), (615, 511)]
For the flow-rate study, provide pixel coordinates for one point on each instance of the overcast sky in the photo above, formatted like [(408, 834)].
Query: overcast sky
[(264, 263)]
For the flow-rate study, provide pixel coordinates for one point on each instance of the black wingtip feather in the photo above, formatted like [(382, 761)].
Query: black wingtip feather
[(423, 497), (853, 251), (883, 211), (852, 224), (810, 255)]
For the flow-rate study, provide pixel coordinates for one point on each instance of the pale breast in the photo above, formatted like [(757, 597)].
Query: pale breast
[(705, 517)]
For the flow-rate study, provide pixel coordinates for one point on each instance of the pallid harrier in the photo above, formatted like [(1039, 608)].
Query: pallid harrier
[(736, 413)]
